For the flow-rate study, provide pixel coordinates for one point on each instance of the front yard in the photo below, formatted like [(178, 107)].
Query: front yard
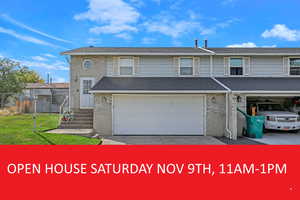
[(18, 129)]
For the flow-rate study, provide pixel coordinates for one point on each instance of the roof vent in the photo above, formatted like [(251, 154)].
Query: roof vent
[(196, 43), (91, 46), (205, 44)]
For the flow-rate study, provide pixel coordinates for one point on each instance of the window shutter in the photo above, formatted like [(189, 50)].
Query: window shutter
[(136, 63), (176, 65), (286, 65), (115, 65), (226, 66), (247, 65), (196, 66)]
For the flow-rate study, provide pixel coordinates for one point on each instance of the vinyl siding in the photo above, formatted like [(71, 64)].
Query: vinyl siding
[(218, 66), (156, 66), (266, 66), (161, 66), (259, 66), (109, 66), (204, 67)]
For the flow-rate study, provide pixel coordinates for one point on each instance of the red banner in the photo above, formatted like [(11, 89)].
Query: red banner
[(156, 172)]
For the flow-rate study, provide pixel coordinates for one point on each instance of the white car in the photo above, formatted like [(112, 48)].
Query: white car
[(276, 118)]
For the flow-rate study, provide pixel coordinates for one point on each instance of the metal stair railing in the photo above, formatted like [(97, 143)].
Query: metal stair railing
[(62, 109)]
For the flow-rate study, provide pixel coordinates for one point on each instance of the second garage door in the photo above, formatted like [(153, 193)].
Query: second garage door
[(158, 115)]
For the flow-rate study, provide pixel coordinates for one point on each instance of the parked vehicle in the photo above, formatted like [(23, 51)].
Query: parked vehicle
[(277, 118)]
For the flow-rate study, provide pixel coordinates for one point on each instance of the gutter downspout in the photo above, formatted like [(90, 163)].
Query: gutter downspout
[(70, 82), (211, 66), (229, 91)]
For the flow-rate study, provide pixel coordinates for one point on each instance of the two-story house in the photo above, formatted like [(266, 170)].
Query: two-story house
[(177, 91)]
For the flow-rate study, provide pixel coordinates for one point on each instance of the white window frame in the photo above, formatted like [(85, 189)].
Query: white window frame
[(193, 66), (119, 66), (85, 60), (229, 66), (289, 67)]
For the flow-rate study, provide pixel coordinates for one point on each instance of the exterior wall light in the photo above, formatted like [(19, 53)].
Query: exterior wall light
[(213, 100)]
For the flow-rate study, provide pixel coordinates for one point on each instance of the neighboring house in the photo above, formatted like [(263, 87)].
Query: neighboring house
[(178, 91), (49, 96)]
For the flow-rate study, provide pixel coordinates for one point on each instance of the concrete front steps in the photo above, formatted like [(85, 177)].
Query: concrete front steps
[(83, 119)]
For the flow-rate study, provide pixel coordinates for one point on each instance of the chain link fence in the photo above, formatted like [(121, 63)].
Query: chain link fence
[(20, 103), (37, 113)]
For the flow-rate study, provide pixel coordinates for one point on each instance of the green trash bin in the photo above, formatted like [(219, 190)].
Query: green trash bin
[(255, 125)]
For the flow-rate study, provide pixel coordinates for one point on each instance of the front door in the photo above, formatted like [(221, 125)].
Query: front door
[(86, 99)]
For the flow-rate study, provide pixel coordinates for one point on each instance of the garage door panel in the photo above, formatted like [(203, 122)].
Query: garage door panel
[(158, 115)]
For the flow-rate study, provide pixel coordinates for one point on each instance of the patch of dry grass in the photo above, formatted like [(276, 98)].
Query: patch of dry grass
[(9, 111)]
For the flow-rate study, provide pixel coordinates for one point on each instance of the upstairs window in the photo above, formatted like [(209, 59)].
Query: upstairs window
[(186, 66), (236, 66), (126, 66), (295, 66)]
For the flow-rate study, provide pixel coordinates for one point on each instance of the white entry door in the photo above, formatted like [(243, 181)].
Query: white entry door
[(86, 99), (158, 115)]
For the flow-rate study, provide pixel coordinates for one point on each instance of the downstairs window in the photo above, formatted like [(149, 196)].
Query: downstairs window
[(236, 66)]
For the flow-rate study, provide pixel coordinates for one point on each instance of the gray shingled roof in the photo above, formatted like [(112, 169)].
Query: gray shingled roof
[(135, 50), (180, 51), (256, 50), (157, 83), (261, 83)]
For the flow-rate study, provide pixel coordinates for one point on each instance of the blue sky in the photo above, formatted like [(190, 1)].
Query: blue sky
[(34, 32)]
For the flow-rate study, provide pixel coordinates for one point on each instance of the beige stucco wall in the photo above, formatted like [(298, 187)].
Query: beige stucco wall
[(215, 114), (102, 114), (97, 71)]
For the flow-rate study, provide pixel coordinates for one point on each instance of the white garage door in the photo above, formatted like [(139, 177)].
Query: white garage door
[(158, 115)]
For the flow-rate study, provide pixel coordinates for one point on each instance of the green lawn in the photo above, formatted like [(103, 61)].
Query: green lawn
[(18, 129)]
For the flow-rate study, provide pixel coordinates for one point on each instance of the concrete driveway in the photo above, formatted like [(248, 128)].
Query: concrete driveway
[(161, 140), (280, 138)]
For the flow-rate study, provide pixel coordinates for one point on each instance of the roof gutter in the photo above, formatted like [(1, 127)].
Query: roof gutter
[(132, 54), (264, 92), (258, 54), (176, 54)]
